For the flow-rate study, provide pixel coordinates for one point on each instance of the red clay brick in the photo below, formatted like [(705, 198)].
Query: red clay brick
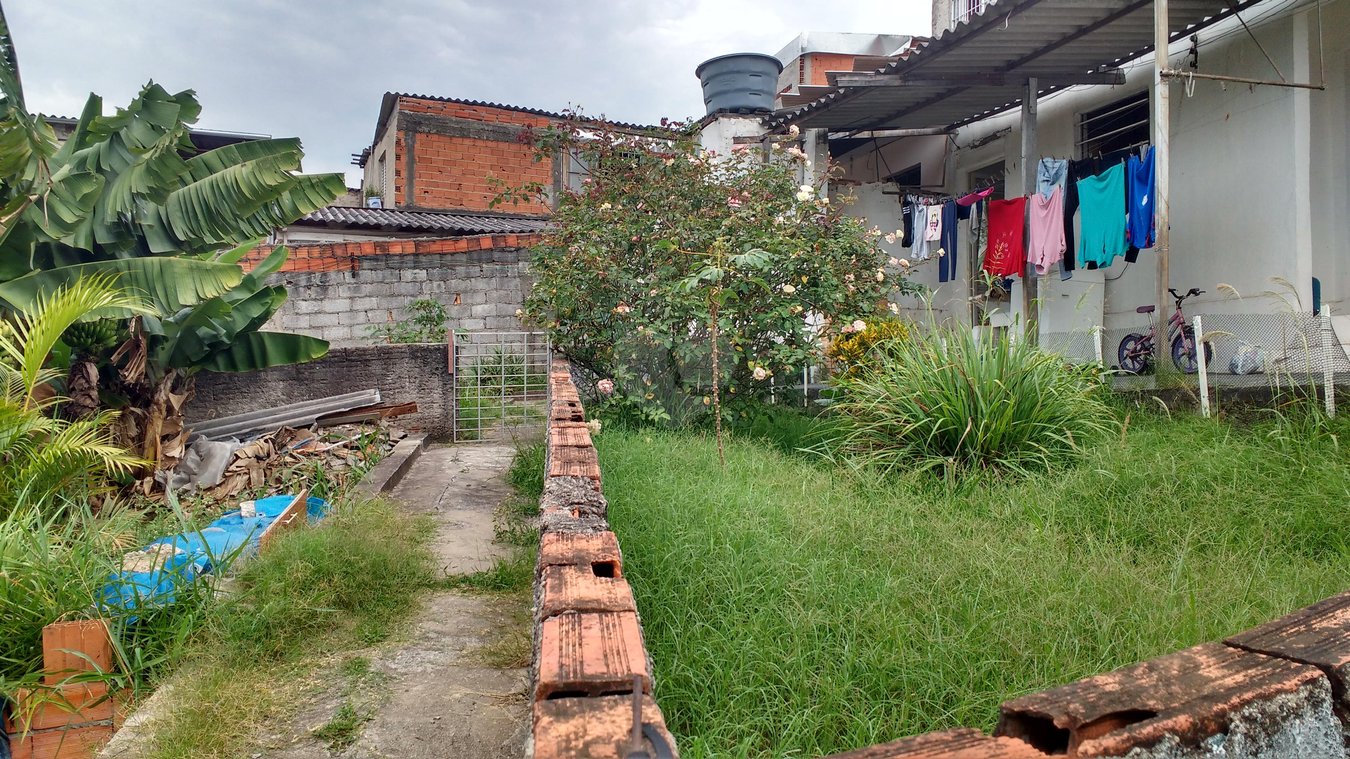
[(1318, 635), (72, 647), (580, 589), (961, 743), (590, 655), (566, 411), (77, 743), (1189, 694), (574, 462), (558, 549), (569, 434), (60, 706), (595, 728)]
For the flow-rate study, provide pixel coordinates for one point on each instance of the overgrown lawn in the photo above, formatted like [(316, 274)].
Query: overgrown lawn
[(797, 609)]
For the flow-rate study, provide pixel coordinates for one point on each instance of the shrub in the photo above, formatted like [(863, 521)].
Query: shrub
[(949, 400), (425, 323), (850, 352)]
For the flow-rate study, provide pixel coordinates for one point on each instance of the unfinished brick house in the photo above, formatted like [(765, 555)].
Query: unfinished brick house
[(427, 228)]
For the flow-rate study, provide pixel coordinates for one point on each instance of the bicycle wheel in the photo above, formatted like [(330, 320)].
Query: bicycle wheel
[(1185, 357), (1133, 353)]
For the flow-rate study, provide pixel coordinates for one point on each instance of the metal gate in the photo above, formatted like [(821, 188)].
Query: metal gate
[(501, 384)]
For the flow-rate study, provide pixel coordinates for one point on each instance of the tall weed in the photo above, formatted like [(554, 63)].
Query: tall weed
[(950, 401)]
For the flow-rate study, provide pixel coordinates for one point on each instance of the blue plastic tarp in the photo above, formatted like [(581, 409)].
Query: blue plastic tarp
[(197, 553)]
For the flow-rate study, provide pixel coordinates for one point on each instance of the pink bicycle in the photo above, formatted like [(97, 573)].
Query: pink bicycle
[(1136, 350)]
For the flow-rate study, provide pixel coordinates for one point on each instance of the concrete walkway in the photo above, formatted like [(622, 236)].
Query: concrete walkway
[(438, 699)]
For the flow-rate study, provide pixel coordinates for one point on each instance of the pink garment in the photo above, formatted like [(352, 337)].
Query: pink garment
[(1045, 236), (969, 199), (933, 233)]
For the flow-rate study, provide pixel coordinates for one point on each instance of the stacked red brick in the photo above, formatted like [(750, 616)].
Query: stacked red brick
[(60, 719), (590, 659), (346, 256)]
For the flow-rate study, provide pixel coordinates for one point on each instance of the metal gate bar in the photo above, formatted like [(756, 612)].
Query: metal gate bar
[(500, 382)]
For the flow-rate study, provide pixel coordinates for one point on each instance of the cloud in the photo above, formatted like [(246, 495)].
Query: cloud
[(317, 70)]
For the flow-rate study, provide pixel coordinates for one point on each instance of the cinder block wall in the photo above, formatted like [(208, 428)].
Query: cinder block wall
[(401, 373), (339, 291)]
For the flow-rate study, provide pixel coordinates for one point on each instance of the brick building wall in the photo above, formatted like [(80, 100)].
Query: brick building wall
[(446, 155)]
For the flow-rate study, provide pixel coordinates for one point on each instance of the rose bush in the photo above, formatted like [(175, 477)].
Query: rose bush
[(667, 258)]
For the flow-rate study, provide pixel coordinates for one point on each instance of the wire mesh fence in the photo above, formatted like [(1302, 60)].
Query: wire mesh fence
[(1282, 351), (1076, 347), (501, 383)]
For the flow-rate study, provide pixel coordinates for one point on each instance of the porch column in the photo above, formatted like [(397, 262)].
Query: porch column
[(1162, 159), (1030, 158)]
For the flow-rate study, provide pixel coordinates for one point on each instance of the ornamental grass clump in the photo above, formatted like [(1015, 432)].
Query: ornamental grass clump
[(951, 401)]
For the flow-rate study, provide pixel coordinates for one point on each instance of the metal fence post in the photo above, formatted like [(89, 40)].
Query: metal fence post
[(1329, 345), (1199, 335)]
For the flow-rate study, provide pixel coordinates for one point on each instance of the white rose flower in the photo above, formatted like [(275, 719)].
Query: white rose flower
[(788, 289)]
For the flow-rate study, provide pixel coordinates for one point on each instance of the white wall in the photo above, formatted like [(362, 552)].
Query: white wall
[(1258, 177), (720, 135)]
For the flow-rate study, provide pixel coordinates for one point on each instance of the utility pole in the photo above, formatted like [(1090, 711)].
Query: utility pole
[(1030, 159), (1162, 128)]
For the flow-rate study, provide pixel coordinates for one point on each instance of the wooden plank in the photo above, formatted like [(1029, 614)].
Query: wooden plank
[(295, 516)]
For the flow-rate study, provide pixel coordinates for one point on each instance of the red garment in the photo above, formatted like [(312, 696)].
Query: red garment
[(1005, 256)]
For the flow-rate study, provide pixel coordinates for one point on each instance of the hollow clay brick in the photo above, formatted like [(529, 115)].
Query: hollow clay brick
[(591, 655), (77, 743), (64, 642), (1183, 698), (595, 728), (558, 549), (961, 743), (579, 589), (1318, 635), (61, 706), (574, 462), (569, 434)]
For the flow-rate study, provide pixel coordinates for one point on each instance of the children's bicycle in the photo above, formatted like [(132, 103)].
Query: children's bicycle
[(1136, 350)]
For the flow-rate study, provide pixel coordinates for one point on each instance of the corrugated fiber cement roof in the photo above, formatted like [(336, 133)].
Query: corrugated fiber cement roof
[(1010, 39)]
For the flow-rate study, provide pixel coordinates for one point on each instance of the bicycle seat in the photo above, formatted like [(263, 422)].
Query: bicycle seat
[(1145, 309)]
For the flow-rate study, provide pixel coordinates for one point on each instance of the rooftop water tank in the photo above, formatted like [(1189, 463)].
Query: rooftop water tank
[(739, 83)]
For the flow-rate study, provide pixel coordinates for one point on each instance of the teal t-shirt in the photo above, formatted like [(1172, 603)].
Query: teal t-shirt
[(1101, 201)]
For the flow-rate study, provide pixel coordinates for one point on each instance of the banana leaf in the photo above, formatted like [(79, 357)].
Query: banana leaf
[(261, 350), (168, 285)]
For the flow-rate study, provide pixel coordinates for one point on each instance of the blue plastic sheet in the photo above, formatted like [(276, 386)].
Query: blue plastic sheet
[(198, 553)]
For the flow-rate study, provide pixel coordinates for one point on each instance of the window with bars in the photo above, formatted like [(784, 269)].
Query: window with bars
[(962, 10), (1120, 125)]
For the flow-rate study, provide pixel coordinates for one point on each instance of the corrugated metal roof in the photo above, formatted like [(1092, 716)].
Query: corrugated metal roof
[(1014, 38), (396, 220)]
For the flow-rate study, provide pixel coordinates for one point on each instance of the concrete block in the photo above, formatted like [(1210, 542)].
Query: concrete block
[(469, 324), (302, 306), (414, 275), (337, 305), (364, 304), (406, 288), (325, 320), (484, 309)]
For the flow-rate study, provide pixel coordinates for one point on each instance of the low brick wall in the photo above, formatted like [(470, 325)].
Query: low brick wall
[(401, 373), (1279, 691), (590, 659)]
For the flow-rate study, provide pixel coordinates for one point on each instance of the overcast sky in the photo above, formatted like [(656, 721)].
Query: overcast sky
[(316, 68)]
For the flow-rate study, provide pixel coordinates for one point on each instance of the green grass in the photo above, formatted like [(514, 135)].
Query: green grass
[(319, 593), (792, 609)]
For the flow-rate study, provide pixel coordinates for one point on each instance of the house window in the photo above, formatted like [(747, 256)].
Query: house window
[(963, 10), (1121, 125), (577, 171), (380, 174), (911, 178)]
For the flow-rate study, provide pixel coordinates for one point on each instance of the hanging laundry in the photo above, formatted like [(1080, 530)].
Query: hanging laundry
[(971, 198), (1081, 170), (1004, 256), (906, 223), (1139, 186), (920, 247), (1051, 173), (934, 233), (951, 214), (1103, 225), (1045, 237)]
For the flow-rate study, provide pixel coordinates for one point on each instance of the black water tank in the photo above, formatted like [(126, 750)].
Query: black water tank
[(740, 82)]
